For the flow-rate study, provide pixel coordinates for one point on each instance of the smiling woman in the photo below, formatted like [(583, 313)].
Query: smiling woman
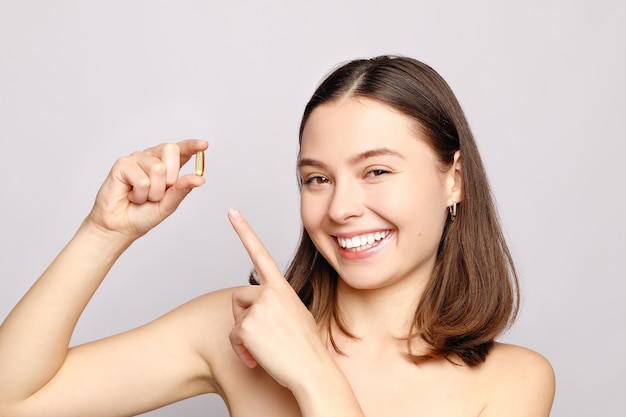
[(398, 118), (401, 283)]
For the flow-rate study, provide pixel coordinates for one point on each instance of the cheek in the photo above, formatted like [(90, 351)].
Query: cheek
[(418, 206), (310, 211)]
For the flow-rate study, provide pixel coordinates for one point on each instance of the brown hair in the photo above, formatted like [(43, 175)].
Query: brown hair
[(473, 293)]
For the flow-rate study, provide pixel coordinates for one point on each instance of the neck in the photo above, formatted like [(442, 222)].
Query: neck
[(381, 314)]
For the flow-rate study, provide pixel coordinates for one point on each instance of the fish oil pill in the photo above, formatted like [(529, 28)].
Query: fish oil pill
[(200, 163)]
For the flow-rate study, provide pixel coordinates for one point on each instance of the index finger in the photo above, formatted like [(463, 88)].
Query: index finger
[(175, 155), (268, 271), (189, 147)]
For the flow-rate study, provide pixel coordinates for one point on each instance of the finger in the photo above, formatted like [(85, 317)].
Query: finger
[(240, 350), (189, 147), (242, 299), (175, 155), (124, 175), (178, 191), (170, 155), (156, 171), (266, 268), (133, 178)]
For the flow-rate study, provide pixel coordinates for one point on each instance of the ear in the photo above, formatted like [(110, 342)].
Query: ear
[(454, 180)]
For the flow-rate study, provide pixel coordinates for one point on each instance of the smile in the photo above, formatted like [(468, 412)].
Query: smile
[(362, 242)]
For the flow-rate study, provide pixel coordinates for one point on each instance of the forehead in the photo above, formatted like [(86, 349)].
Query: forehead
[(357, 124)]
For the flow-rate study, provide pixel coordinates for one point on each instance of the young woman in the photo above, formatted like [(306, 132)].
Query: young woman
[(400, 285)]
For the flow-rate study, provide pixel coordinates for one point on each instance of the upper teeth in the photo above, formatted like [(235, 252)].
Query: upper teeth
[(361, 240)]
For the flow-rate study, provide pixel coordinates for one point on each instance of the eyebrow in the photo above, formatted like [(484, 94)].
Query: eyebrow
[(353, 160)]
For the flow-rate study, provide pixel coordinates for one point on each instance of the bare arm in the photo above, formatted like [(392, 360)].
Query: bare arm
[(39, 375)]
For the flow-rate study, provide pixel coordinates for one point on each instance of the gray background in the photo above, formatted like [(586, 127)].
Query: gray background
[(542, 82)]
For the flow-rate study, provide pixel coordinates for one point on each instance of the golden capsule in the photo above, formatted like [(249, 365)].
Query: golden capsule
[(200, 163)]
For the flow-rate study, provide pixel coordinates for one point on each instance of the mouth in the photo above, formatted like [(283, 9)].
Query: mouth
[(362, 242)]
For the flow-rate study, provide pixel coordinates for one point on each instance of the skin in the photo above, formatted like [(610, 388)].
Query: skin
[(257, 346)]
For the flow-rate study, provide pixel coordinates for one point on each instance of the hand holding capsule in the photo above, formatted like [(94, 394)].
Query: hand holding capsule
[(144, 188)]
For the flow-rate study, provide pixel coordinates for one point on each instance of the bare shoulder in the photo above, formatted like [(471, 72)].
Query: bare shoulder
[(521, 381), (517, 361), (217, 302)]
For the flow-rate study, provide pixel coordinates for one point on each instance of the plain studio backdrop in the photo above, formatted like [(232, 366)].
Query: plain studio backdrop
[(542, 83)]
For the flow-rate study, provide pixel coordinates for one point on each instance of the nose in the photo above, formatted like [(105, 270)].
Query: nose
[(346, 203)]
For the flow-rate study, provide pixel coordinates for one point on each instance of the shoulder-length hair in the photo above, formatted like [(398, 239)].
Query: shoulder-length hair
[(473, 294)]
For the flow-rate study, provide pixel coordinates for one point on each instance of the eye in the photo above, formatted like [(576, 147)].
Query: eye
[(376, 172), (316, 180)]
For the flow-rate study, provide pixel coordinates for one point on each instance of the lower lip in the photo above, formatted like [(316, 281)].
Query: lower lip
[(364, 254)]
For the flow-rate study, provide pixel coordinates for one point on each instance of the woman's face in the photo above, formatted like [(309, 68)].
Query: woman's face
[(374, 197)]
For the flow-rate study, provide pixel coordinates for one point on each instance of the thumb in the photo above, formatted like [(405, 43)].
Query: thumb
[(178, 191)]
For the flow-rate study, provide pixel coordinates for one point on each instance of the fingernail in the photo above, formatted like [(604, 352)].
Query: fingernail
[(234, 214)]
